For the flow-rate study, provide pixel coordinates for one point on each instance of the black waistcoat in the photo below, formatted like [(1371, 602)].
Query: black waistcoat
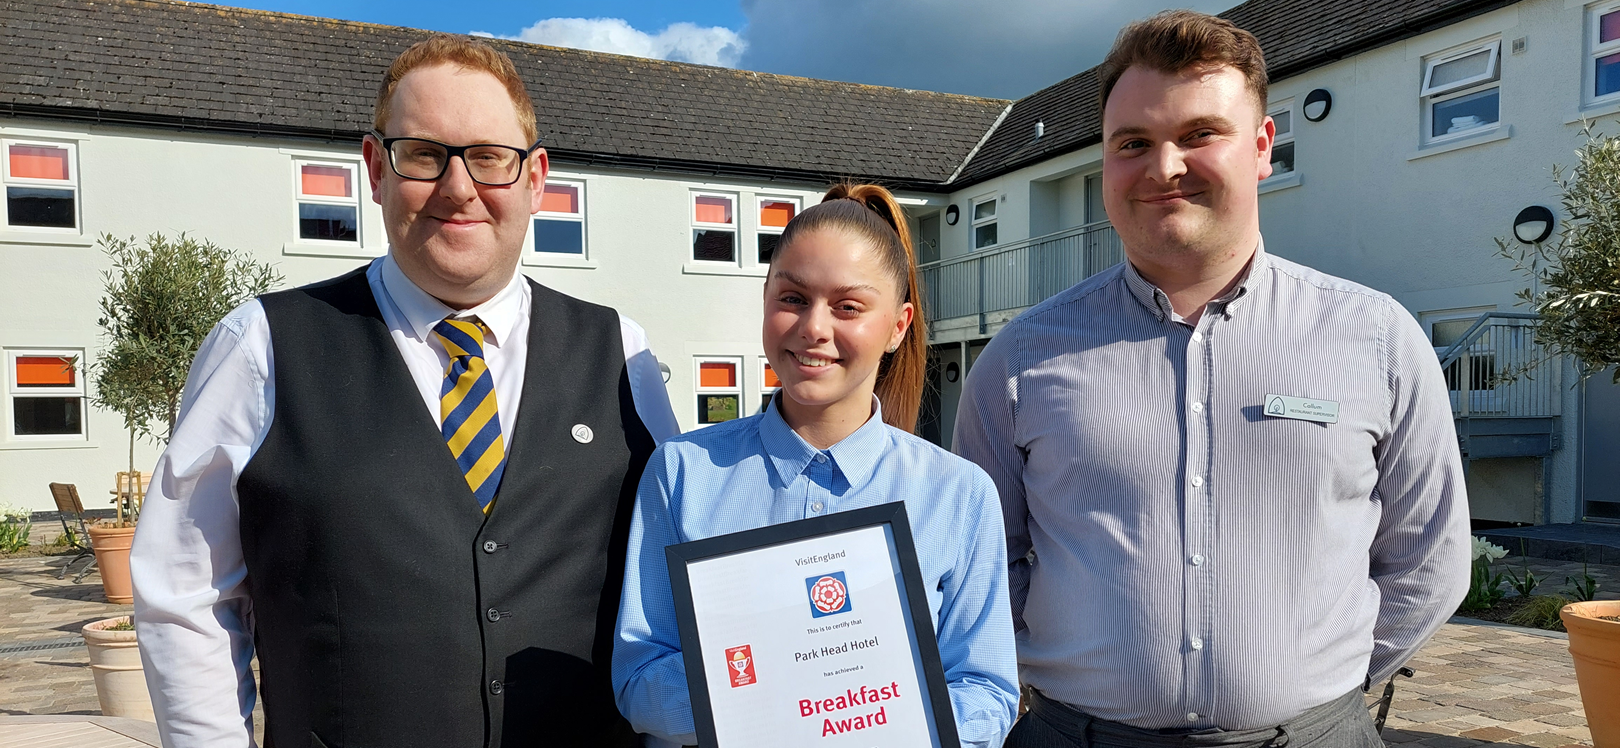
[(388, 610)]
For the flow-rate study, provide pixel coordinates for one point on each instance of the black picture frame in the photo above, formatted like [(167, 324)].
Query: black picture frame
[(919, 622)]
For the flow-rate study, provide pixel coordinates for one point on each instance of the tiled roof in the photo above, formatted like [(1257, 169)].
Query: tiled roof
[(1297, 35), (208, 67), (176, 64)]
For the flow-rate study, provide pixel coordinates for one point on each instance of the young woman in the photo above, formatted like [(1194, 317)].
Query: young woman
[(843, 333)]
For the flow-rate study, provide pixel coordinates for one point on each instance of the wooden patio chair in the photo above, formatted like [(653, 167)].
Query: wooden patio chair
[(68, 505), (122, 485)]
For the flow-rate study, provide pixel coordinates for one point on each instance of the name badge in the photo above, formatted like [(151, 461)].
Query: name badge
[(1302, 409)]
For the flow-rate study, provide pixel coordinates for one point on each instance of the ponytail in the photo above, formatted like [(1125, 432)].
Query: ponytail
[(871, 212)]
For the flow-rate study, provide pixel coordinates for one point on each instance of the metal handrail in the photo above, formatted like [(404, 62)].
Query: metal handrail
[(1517, 379), (1005, 248), (1017, 275), (1476, 330)]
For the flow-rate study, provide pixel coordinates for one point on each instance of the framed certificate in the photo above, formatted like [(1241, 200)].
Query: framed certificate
[(811, 633)]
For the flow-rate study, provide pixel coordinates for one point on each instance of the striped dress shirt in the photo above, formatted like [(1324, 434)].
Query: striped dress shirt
[(1180, 559), (756, 471)]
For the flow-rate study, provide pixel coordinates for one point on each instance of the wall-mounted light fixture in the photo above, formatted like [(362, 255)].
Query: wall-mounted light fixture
[(663, 369), (1533, 225), (1317, 105), (951, 214), (952, 372)]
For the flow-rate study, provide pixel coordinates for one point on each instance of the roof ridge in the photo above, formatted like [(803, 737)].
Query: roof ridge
[(976, 146)]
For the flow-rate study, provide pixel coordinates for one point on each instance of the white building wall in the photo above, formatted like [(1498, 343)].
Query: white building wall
[(240, 193), (1372, 204)]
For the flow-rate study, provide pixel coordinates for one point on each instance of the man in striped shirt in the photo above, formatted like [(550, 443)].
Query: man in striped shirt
[(1232, 491)]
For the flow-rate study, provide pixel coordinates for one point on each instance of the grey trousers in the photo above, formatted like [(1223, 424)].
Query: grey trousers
[(1340, 723)]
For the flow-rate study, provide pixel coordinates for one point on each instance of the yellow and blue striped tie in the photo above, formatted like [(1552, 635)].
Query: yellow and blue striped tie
[(467, 413)]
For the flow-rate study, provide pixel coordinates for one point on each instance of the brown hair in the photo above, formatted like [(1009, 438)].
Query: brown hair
[(1176, 40), (450, 49), (870, 212)]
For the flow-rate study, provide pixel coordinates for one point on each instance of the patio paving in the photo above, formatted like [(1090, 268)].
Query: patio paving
[(1477, 683)]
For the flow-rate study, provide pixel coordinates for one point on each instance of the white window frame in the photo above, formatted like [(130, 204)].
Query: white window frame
[(1286, 105), (352, 201), (72, 183), (14, 392), (1492, 72), (1430, 96), (974, 221), (698, 390), (761, 228), (766, 391), (1595, 50), (734, 227), (578, 217)]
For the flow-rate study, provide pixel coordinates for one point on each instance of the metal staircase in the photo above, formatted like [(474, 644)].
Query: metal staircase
[(1505, 389)]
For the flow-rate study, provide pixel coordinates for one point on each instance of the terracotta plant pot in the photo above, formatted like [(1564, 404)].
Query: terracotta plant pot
[(1595, 646), (115, 661), (112, 559)]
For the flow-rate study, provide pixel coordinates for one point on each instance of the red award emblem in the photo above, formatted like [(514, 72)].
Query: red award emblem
[(828, 594), (740, 665)]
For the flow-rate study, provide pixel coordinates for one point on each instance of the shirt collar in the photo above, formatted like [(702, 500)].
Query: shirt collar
[(856, 455), (1158, 303), (421, 311)]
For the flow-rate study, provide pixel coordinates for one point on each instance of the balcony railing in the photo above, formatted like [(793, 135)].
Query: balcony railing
[(1498, 370), (1018, 275)]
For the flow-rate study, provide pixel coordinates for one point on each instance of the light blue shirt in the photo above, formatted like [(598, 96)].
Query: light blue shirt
[(756, 471)]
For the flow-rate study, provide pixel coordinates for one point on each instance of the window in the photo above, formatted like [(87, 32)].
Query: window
[(714, 227), (47, 394), (1447, 329), (774, 214), (768, 383), (1461, 90), (328, 202), (1282, 148), (1094, 199), (984, 223), (41, 185), (1604, 44), (719, 391), (559, 228)]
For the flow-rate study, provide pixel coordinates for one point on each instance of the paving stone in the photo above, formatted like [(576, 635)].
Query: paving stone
[(1449, 741), (1542, 740), (1564, 719), (1490, 734)]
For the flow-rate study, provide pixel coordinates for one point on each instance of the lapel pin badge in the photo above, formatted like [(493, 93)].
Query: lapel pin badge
[(582, 433)]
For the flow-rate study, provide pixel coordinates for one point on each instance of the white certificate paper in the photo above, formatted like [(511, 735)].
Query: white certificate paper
[(807, 643)]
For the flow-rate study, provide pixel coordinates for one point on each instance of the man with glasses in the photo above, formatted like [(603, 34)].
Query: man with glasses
[(351, 495)]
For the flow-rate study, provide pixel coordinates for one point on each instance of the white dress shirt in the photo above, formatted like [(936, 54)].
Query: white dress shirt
[(191, 606)]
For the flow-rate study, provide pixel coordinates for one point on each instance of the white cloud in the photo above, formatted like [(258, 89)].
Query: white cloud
[(682, 42), (1005, 49)]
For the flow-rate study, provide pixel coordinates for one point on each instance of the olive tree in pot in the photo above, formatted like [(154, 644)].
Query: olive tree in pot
[(1576, 290), (159, 300)]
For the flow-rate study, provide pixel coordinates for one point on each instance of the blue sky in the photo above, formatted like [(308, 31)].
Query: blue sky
[(1006, 49), (507, 17)]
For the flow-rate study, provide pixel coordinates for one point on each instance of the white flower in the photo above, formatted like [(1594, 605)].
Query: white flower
[(1485, 549)]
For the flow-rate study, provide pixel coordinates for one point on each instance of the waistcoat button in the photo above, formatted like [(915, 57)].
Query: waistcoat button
[(493, 614), (496, 687), (491, 546)]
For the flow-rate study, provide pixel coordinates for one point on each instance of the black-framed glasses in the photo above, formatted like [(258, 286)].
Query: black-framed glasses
[(425, 160)]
